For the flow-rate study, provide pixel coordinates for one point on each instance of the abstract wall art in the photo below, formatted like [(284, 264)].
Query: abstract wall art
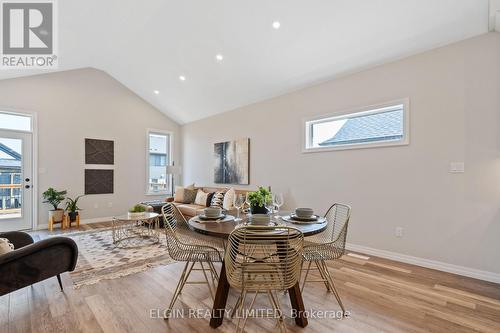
[(231, 162), (98, 181), (99, 151)]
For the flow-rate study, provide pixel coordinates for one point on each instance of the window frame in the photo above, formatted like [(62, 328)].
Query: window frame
[(345, 114), (169, 160)]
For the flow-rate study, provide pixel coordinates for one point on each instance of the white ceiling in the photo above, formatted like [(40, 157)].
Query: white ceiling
[(146, 45)]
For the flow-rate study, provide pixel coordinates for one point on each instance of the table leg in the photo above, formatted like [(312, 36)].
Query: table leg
[(298, 305), (219, 307)]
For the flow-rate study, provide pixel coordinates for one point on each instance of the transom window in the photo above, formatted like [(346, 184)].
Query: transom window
[(14, 121), (384, 125), (158, 158)]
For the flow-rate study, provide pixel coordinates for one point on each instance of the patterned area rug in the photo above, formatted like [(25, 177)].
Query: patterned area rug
[(99, 259)]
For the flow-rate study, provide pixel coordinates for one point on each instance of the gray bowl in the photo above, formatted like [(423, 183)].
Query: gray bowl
[(304, 212)]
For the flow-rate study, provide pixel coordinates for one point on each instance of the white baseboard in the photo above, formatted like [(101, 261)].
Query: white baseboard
[(82, 221), (437, 265)]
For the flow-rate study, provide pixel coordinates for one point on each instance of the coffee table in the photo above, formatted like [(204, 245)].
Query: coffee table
[(136, 231)]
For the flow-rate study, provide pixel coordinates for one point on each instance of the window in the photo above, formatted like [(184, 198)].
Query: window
[(385, 125), (17, 122), (158, 158)]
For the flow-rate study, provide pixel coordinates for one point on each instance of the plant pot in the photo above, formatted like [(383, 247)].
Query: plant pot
[(258, 210), (57, 215), (72, 216)]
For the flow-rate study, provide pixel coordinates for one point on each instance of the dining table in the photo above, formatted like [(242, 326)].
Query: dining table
[(222, 229)]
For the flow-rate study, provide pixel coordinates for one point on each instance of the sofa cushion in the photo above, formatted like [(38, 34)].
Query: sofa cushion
[(201, 198), (190, 209), (229, 197), (217, 199), (5, 246)]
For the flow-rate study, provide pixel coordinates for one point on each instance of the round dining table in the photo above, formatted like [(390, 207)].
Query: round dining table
[(222, 229)]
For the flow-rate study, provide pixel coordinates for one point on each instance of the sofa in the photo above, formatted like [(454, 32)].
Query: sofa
[(31, 262), (190, 209)]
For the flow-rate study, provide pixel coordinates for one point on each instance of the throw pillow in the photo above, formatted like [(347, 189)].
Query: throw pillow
[(217, 199), (179, 194), (229, 199), (201, 198), (190, 187), (5, 246), (189, 196), (209, 199)]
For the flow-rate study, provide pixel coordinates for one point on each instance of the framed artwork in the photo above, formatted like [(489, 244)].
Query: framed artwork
[(231, 162), (98, 181), (99, 151)]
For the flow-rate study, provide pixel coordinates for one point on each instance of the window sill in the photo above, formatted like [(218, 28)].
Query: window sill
[(158, 194), (358, 146)]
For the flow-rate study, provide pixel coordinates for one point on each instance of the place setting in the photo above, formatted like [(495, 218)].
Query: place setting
[(213, 214), (303, 216)]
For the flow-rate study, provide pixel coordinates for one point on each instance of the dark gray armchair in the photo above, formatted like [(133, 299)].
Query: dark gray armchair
[(33, 262)]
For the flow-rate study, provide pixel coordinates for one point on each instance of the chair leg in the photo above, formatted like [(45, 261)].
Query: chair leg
[(178, 289), (332, 284), (60, 282)]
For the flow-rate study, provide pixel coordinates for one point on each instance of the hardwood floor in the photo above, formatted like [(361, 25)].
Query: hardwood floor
[(381, 296)]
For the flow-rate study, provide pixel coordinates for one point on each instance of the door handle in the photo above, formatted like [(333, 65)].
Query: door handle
[(27, 180), (26, 186)]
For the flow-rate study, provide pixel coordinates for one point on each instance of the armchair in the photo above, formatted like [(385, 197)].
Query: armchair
[(33, 262)]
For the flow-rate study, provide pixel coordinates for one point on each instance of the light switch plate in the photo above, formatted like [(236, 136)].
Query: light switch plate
[(457, 167)]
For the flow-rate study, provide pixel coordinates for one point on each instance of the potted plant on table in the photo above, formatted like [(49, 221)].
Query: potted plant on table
[(258, 200), (137, 211), (72, 208), (54, 197)]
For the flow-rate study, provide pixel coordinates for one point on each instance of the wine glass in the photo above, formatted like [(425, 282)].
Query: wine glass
[(270, 205), (278, 201), (239, 200)]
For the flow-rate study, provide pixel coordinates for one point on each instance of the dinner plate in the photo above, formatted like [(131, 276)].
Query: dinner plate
[(312, 218), (210, 218), (292, 219)]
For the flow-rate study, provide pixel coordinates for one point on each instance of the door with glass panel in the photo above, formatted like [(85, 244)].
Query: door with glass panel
[(15, 180)]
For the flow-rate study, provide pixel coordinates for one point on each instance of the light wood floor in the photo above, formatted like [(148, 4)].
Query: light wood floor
[(381, 295)]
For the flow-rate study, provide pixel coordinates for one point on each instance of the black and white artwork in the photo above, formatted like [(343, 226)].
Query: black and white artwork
[(98, 181), (99, 151), (231, 162)]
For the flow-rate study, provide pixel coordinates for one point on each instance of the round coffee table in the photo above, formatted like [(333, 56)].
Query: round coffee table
[(136, 231)]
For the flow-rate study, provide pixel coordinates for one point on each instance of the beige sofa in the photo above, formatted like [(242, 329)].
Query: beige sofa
[(190, 210)]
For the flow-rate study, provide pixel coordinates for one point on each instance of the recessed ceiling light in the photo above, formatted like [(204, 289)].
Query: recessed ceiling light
[(276, 25), (182, 78), (156, 92), (219, 57)]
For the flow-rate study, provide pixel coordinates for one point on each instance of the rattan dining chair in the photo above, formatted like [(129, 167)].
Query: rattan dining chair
[(188, 246), (263, 259), (327, 245)]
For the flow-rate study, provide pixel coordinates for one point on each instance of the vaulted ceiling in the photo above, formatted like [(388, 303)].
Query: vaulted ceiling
[(148, 45)]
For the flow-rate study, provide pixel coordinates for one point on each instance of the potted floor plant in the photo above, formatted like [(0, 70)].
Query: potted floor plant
[(54, 197), (72, 208), (258, 200)]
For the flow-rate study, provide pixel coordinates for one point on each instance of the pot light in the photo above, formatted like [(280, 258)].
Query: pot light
[(219, 57), (276, 25), (182, 78), (156, 92)]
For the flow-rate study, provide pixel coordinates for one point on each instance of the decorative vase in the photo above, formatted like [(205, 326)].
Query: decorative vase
[(258, 209), (57, 215)]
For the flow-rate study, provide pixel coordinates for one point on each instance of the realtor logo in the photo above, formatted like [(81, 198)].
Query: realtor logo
[(28, 34)]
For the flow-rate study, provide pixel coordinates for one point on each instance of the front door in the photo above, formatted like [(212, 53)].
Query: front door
[(16, 196)]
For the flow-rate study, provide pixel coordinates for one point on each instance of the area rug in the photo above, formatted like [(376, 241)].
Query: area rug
[(99, 259)]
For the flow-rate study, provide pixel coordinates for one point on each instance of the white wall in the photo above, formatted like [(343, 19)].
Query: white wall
[(455, 116), (87, 103)]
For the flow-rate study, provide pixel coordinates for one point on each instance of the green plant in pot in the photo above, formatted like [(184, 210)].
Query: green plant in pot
[(258, 200), (54, 197), (136, 211), (72, 208)]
